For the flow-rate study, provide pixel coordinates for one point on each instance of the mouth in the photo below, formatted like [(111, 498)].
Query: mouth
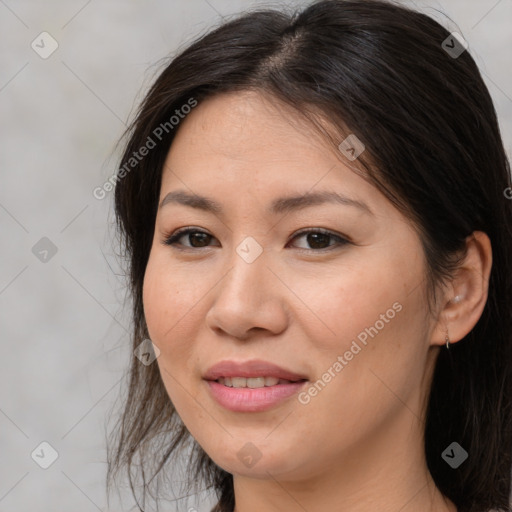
[(254, 382), (256, 372), (251, 386)]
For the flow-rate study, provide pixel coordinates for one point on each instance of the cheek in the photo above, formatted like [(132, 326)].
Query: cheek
[(170, 322), (168, 308), (155, 298), (372, 318), (342, 305)]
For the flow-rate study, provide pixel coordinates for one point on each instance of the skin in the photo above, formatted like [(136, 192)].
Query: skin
[(359, 440)]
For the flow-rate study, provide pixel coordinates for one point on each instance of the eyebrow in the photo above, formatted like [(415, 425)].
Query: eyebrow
[(278, 206)]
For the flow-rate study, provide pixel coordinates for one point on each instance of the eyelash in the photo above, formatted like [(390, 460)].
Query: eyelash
[(172, 239)]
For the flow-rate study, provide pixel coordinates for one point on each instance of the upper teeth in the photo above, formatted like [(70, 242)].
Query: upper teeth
[(252, 382)]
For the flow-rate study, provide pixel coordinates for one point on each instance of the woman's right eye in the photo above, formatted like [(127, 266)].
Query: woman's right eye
[(199, 236)]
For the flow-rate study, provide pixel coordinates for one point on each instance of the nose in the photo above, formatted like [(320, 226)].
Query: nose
[(248, 299)]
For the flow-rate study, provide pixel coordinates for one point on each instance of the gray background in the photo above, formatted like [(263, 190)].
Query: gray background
[(63, 326)]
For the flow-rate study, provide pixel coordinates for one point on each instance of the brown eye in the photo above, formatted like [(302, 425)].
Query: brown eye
[(319, 240), (197, 239)]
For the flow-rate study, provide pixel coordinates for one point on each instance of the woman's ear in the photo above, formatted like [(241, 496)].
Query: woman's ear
[(467, 293)]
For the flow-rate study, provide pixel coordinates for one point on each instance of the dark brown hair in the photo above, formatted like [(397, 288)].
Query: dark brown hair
[(433, 147)]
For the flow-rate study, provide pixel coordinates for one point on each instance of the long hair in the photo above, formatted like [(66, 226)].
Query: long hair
[(433, 146)]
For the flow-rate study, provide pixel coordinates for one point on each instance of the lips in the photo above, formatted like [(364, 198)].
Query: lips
[(251, 369)]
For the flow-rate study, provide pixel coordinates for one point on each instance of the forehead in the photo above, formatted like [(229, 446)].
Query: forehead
[(229, 133), (247, 125), (239, 157), (237, 146)]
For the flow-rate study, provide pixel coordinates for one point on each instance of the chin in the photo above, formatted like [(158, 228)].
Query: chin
[(261, 464)]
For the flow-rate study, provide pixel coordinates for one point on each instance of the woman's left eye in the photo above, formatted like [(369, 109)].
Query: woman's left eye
[(317, 238)]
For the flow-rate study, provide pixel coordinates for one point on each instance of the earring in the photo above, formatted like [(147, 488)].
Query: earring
[(447, 341), (457, 299)]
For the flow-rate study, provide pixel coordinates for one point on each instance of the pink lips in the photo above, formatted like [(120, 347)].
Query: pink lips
[(247, 399), (253, 368)]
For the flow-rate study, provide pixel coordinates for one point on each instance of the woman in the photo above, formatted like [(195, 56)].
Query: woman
[(319, 243)]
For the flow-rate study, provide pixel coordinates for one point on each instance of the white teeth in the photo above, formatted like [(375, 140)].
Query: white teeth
[(252, 382), (256, 382), (239, 382)]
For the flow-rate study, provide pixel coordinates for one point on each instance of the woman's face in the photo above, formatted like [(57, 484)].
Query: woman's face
[(347, 316)]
